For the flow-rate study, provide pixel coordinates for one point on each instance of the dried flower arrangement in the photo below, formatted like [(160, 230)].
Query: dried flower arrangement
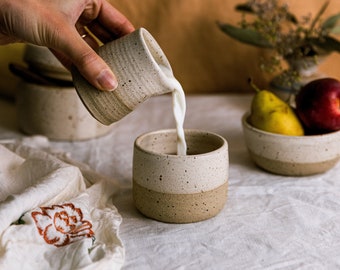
[(274, 27)]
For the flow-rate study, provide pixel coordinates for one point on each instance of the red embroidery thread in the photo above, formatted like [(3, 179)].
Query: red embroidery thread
[(61, 225)]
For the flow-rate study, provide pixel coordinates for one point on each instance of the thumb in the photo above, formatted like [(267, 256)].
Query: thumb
[(75, 51)]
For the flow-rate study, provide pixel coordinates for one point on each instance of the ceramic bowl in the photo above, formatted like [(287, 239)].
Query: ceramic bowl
[(180, 188), (55, 112), (291, 155)]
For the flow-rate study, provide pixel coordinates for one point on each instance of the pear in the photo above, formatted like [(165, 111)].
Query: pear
[(272, 114)]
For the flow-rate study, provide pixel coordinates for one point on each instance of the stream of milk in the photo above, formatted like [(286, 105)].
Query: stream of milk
[(179, 108)]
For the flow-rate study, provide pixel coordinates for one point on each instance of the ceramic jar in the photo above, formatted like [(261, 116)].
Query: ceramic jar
[(55, 112), (180, 188), (52, 108)]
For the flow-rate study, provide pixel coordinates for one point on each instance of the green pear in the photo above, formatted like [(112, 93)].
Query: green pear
[(272, 114)]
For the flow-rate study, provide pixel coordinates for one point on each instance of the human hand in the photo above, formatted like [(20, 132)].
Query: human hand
[(61, 26)]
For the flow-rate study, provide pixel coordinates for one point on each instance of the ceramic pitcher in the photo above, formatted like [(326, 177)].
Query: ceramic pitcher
[(142, 71)]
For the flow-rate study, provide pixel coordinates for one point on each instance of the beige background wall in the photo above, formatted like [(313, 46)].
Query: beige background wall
[(203, 58)]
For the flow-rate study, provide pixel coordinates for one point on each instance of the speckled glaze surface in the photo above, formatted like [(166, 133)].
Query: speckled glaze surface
[(291, 155), (142, 71), (55, 112), (180, 189)]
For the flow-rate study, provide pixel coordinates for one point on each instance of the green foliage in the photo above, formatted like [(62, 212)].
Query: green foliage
[(246, 35)]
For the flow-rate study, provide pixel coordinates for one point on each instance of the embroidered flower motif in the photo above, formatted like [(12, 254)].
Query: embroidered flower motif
[(60, 225)]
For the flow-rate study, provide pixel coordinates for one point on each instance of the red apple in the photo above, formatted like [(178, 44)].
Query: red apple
[(318, 105)]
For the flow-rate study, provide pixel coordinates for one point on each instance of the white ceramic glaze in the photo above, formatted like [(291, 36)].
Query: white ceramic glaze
[(55, 112), (142, 71), (291, 155), (180, 188)]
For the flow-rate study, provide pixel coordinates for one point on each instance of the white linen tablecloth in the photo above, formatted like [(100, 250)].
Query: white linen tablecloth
[(269, 221), (55, 213)]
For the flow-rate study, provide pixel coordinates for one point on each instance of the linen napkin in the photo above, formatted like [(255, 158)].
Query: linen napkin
[(55, 213)]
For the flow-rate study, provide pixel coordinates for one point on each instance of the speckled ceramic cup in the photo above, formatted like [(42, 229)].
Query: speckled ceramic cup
[(176, 188), (291, 155), (55, 112), (142, 71)]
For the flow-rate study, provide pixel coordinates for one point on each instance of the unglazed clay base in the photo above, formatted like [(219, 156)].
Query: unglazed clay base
[(179, 208), (292, 168)]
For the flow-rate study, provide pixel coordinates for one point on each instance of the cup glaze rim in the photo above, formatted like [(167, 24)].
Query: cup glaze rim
[(137, 143)]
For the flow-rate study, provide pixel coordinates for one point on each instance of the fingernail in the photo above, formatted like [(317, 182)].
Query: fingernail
[(107, 81)]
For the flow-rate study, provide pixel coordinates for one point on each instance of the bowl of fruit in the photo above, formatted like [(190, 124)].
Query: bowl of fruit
[(299, 141)]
